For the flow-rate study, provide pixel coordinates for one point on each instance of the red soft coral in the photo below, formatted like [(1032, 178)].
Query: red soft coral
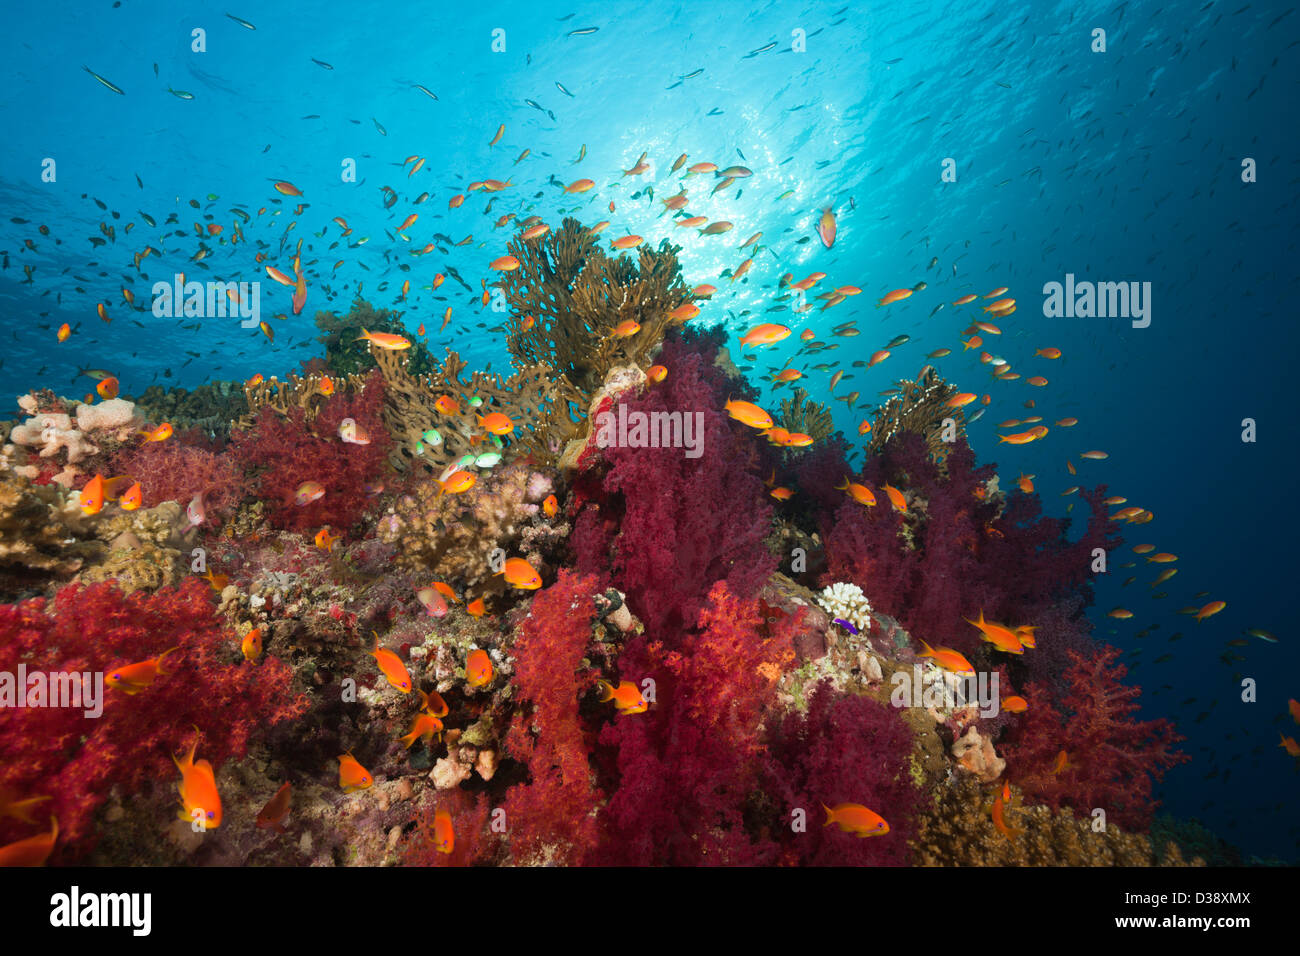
[(554, 810), (174, 471), (284, 453), (77, 760), (844, 749), (682, 523), (686, 770), (1113, 760)]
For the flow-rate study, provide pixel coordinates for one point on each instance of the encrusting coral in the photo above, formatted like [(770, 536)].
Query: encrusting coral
[(44, 536), (452, 537)]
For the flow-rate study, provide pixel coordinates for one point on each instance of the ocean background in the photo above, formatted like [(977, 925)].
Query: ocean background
[(1116, 166)]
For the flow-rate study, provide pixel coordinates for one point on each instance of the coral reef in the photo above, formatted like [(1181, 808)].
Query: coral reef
[(208, 408), (959, 831), (847, 602), (44, 536), (176, 471), (346, 354)]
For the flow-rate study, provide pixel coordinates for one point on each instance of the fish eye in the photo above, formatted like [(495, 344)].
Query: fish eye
[(211, 814)]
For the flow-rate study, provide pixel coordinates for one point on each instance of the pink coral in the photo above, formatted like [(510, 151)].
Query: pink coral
[(77, 760), (172, 471)]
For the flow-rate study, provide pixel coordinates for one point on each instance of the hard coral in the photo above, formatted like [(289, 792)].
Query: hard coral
[(284, 452), (574, 296), (44, 536), (76, 760), (451, 537)]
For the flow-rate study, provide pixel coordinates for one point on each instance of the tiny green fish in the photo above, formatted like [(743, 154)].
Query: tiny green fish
[(180, 94), (488, 460), (432, 437), (475, 401)]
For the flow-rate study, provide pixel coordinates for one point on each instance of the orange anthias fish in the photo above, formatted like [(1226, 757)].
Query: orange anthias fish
[(895, 498), (626, 697), (458, 482), (1015, 705), (107, 388), (626, 329), (476, 608), (200, 802), (1293, 706), (1214, 607), (859, 493), (92, 495), (782, 493), (948, 659), (308, 492), (1289, 745), (132, 499), (856, 819), (1062, 762), (446, 405), (134, 678), (766, 334), (425, 727), (353, 776), (33, 851), (478, 668), (64, 331), (998, 810), (391, 666), (896, 296), (522, 575), (685, 312), (504, 264), (18, 809), (1004, 639), (251, 645), (656, 373), (326, 541), (444, 835), (827, 227), (1026, 483), (748, 414), (276, 811), (161, 433), (551, 506), (385, 340)]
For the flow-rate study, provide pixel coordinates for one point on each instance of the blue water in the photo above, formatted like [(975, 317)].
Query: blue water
[(1124, 165)]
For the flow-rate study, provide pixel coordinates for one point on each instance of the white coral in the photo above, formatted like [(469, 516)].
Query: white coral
[(847, 602)]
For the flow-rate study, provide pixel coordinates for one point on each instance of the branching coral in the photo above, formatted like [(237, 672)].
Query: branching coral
[(920, 410), (1112, 760), (209, 407), (847, 602), (307, 394), (568, 297), (542, 406), (800, 414), (77, 760)]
